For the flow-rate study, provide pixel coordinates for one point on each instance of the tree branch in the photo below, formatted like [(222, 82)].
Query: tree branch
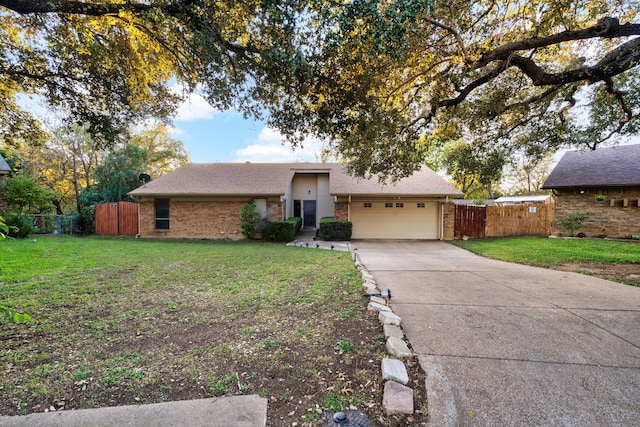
[(178, 10), (606, 28)]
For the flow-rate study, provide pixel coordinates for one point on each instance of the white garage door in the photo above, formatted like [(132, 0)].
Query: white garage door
[(395, 220)]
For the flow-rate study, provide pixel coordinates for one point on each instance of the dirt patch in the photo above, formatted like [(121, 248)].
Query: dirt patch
[(624, 273), (306, 361)]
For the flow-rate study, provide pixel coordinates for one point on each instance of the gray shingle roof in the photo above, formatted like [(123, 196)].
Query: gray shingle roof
[(606, 167), (4, 166), (227, 179)]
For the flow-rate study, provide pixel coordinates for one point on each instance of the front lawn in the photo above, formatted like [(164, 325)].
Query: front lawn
[(613, 260), (121, 321)]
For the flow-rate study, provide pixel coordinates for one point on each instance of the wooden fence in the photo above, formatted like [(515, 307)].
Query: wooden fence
[(117, 219), (470, 221), (504, 221)]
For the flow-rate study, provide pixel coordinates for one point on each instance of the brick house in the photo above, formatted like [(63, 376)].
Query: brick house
[(605, 184), (205, 200), (5, 170)]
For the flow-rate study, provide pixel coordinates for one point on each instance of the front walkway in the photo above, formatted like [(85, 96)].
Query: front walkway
[(306, 239)]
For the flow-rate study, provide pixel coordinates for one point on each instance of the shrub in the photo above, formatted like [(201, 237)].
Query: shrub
[(280, 231), (298, 222), (45, 224), (249, 220), (19, 225), (571, 222), (84, 220), (332, 229)]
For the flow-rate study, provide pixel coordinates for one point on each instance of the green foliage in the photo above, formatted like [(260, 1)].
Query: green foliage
[(473, 172), (118, 173), (23, 194), (5, 229), (249, 220), (85, 220), (345, 346), (572, 221), (334, 230), (280, 231), (164, 153), (333, 402), (220, 385), (373, 77), (298, 222), (20, 226), (12, 316)]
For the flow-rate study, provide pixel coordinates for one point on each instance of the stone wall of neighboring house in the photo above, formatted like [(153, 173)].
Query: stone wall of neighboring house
[(201, 219), (618, 215), (448, 220)]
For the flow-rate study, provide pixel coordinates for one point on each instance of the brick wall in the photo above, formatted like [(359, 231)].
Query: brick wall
[(204, 219), (617, 216), (448, 220), (341, 211)]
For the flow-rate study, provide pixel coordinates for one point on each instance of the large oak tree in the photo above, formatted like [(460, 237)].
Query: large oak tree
[(381, 81)]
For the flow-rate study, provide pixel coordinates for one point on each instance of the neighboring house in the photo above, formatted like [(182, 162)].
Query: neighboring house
[(5, 170), (205, 200), (605, 184)]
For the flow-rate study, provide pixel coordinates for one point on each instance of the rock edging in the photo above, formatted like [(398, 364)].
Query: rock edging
[(397, 397)]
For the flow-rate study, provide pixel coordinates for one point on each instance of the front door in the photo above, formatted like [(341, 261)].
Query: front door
[(309, 207)]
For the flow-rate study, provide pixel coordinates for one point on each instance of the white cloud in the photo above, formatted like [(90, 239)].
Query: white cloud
[(195, 107), (269, 146)]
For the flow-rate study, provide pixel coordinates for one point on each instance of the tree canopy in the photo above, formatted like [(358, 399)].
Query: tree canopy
[(379, 80)]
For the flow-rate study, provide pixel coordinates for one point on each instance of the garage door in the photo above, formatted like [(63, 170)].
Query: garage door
[(395, 220)]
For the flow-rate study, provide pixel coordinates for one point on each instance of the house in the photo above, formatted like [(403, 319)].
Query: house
[(605, 184), (5, 170), (205, 200)]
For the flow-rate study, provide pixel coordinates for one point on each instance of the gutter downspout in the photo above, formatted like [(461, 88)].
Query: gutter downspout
[(441, 205)]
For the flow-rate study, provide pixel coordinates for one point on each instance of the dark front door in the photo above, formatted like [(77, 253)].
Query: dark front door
[(297, 212), (309, 213)]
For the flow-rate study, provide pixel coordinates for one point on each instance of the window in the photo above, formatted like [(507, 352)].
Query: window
[(162, 214), (399, 205), (388, 205), (420, 205), (368, 204)]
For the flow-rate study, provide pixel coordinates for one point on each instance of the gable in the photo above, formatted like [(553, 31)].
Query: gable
[(606, 167)]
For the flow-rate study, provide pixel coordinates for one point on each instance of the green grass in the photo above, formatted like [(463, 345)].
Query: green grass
[(127, 321), (545, 252)]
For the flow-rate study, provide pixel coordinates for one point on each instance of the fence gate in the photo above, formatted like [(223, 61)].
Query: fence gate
[(470, 221), (117, 219)]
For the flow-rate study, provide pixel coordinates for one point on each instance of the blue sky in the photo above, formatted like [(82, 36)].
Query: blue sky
[(213, 136)]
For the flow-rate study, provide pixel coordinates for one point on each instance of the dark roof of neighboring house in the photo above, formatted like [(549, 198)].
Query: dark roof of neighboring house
[(228, 179), (605, 167), (4, 166)]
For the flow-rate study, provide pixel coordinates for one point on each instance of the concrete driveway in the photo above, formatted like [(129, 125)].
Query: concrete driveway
[(509, 345)]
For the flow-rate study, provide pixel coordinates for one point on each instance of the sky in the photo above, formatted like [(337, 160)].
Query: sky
[(211, 136)]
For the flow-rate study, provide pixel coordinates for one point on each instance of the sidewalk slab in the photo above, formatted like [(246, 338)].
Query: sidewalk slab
[(237, 411)]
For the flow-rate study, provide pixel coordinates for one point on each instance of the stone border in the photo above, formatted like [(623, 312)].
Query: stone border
[(397, 398)]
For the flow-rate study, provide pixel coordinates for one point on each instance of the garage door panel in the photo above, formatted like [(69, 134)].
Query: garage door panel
[(406, 222)]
